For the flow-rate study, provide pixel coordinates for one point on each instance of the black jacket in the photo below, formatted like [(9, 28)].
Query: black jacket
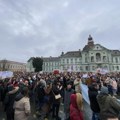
[(92, 92), (9, 101), (55, 91), (40, 91)]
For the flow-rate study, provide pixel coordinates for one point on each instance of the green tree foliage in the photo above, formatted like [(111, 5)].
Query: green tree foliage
[(37, 64)]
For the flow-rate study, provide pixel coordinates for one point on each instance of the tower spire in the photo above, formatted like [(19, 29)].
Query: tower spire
[(90, 38), (90, 41)]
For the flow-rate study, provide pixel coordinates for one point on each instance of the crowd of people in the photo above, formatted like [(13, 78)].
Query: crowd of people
[(47, 91)]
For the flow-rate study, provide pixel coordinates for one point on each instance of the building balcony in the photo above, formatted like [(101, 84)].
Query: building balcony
[(101, 61)]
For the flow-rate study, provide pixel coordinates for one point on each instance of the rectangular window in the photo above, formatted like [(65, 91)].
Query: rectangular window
[(86, 59), (67, 61), (116, 60), (71, 60), (79, 59), (81, 68), (75, 60), (113, 67), (117, 67), (87, 68), (63, 60), (93, 67)]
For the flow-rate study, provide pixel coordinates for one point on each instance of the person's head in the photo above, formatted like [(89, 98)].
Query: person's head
[(69, 85), (78, 79), (95, 85), (24, 91), (104, 90), (26, 83), (56, 82), (49, 83)]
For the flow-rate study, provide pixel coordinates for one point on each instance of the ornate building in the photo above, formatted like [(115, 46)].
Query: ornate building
[(6, 65), (92, 56)]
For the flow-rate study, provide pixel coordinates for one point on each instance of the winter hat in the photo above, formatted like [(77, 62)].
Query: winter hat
[(104, 90)]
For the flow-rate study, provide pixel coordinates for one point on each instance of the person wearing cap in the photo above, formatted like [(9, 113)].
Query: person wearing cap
[(109, 106)]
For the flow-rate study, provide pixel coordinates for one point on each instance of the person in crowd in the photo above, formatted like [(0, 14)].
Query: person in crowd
[(76, 107), (109, 83), (118, 87), (77, 84), (114, 86), (92, 93), (68, 92), (22, 105), (109, 106), (47, 99), (1, 91), (89, 81), (56, 101), (40, 93), (9, 101)]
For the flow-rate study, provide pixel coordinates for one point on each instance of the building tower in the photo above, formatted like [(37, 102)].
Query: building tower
[(90, 41)]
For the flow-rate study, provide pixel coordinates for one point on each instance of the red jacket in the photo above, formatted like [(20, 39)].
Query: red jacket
[(75, 113)]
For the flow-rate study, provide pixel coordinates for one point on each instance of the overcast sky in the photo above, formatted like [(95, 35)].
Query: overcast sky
[(47, 27)]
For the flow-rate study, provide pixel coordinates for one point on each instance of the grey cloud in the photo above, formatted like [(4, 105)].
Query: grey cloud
[(48, 27)]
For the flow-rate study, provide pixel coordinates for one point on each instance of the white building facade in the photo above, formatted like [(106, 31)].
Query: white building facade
[(51, 63), (92, 57), (7, 65)]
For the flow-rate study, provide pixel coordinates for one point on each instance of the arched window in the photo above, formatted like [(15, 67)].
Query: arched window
[(113, 67), (98, 57), (92, 58), (81, 68), (105, 67), (104, 58), (93, 67), (67, 60), (76, 68), (75, 60), (87, 68), (117, 67), (63, 60), (86, 60), (116, 60), (71, 60)]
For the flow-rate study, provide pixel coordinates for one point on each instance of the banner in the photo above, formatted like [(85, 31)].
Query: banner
[(85, 75), (84, 89), (102, 71), (6, 74)]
